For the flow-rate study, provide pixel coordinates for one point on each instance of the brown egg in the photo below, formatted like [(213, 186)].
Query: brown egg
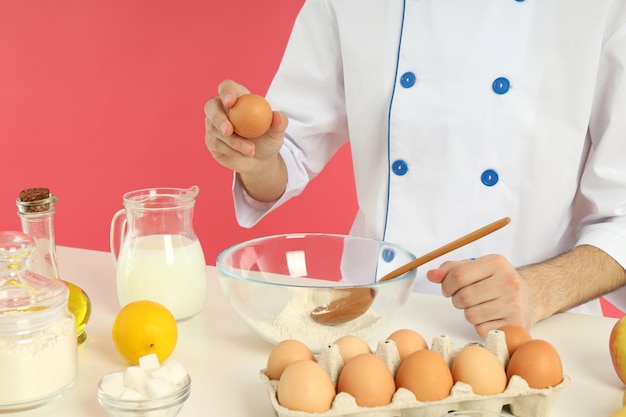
[(515, 336), (251, 116), (426, 375), (479, 368), (305, 386), (368, 380), (538, 362), (284, 353), (407, 341), (351, 346)]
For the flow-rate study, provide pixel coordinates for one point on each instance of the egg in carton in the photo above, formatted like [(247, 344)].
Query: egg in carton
[(522, 400)]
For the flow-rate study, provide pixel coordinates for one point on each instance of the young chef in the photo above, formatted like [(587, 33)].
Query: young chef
[(458, 113)]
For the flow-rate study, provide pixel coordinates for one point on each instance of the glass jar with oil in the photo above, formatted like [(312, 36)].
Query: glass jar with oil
[(36, 209)]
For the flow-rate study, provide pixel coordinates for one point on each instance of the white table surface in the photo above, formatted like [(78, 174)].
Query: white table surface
[(224, 357)]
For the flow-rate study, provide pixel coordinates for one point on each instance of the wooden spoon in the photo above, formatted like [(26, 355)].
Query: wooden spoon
[(358, 300)]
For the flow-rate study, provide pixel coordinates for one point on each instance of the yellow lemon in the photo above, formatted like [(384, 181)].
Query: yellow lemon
[(144, 327)]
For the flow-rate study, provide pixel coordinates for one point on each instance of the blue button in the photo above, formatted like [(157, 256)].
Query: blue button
[(408, 79), (400, 167), (519, 1), (388, 254), (489, 177), (501, 85)]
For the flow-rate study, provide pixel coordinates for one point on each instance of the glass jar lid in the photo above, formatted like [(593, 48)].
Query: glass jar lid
[(20, 289)]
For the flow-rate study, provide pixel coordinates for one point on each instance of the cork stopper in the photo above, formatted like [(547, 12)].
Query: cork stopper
[(35, 200)]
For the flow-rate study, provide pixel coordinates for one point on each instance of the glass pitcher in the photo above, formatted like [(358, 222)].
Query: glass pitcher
[(157, 253)]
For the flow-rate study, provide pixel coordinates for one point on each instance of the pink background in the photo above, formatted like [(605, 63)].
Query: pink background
[(99, 98), (102, 97)]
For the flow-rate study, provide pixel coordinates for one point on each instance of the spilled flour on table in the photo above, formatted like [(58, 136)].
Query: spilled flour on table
[(295, 322)]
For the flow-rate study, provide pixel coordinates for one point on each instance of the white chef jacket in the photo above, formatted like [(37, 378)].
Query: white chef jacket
[(459, 113)]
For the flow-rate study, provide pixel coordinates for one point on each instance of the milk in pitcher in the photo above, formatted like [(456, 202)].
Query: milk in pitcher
[(168, 269)]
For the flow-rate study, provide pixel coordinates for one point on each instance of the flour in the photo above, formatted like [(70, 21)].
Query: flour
[(38, 365), (295, 322)]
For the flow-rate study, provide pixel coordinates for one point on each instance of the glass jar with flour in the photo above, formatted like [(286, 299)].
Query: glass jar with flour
[(38, 346)]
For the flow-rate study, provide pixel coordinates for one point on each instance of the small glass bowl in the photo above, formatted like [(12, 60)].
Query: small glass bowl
[(167, 406)]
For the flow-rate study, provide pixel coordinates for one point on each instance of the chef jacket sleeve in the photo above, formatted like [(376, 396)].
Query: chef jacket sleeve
[(603, 183), (308, 88), (249, 211)]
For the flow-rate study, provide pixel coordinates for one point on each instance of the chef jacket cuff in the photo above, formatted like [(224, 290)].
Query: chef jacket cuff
[(609, 237), (250, 211), (254, 203)]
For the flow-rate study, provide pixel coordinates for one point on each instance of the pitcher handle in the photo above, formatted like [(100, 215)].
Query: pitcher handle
[(118, 230)]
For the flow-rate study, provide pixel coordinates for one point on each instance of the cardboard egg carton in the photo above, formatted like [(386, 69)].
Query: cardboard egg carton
[(521, 400)]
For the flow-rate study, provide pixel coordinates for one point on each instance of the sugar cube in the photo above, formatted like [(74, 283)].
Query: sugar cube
[(149, 362), (176, 371), (159, 387), (113, 384), (161, 373), (135, 377), (132, 395)]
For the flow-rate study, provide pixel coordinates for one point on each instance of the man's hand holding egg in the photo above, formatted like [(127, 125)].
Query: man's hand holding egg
[(245, 135)]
